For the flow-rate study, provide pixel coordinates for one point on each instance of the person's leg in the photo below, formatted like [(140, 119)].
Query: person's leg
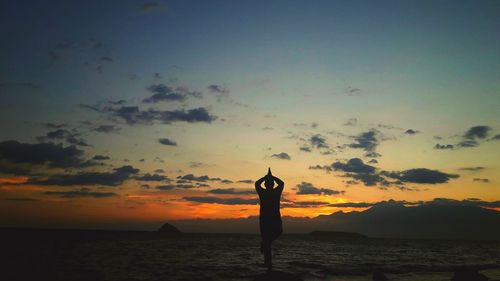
[(266, 247)]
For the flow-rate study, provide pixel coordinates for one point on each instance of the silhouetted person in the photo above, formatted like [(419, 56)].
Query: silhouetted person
[(270, 217)]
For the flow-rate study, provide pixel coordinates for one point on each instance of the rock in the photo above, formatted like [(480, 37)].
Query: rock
[(169, 229), (378, 275), (468, 274), (277, 276)]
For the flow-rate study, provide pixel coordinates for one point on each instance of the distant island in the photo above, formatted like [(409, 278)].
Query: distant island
[(337, 234), (168, 229)]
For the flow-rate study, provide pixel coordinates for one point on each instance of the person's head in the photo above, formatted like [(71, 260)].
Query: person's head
[(269, 180)]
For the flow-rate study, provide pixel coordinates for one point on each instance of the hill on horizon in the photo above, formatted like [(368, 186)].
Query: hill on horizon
[(387, 220)]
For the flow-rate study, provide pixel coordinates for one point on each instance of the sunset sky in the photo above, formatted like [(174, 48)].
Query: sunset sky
[(123, 114)]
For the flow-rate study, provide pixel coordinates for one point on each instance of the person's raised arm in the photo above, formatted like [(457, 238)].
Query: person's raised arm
[(258, 184), (280, 183)]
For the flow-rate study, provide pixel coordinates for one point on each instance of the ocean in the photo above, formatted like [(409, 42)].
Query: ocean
[(237, 257)]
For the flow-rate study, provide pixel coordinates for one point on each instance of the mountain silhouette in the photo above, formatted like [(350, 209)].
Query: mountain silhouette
[(388, 219)]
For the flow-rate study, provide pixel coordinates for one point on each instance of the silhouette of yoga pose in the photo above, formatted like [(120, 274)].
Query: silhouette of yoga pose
[(270, 217)]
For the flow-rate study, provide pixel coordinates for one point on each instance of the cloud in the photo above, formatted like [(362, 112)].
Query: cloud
[(54, 125), (220, 92), (218, 89), (106, 59), (366, 140), (54, 155), (83, 192), (472, 135), (100, 158), (411, 132), (71, 137), (246, 181), (162, 92), (472, 169), (372, 154), (356, 169), (479, 132), (222, 201), (282, 155), (114, 178), (152, 6), (351, 122), (481, 180), (205, 178), (166, 141), (369, 179), (496, 137), (354, 165), (443, 146), (132, 115), (319, 141), (230, 191), (152, 177), (309, 188), (305, 148), (106, 129), (421, 175)]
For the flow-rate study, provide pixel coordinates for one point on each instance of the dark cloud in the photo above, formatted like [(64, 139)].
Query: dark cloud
[(106, 59), (106, 129), (114, 178), (369, 179), (152, 6), (479, 132), (373, 161), (366, 140), (218, 89), (133, 115), (246, 181), (152, 177), (230, 191), (411, 132), (54, 155), (309, 188), (204, 178), (496, 137), (354, 165), (351, 122), (166, 187), (166, 141), (472, 135), (481, 180), (472, 169), (443, 146), (54, 125), (318, 141), (372, 154), (100, 158), (356, 169), (69, 136), (282, 155), (468, 143), (166, 93), (420, 175), (83, 192), (305, 148), (223, 201)]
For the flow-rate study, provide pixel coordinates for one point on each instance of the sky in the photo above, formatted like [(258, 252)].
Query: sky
[(125, 114)]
